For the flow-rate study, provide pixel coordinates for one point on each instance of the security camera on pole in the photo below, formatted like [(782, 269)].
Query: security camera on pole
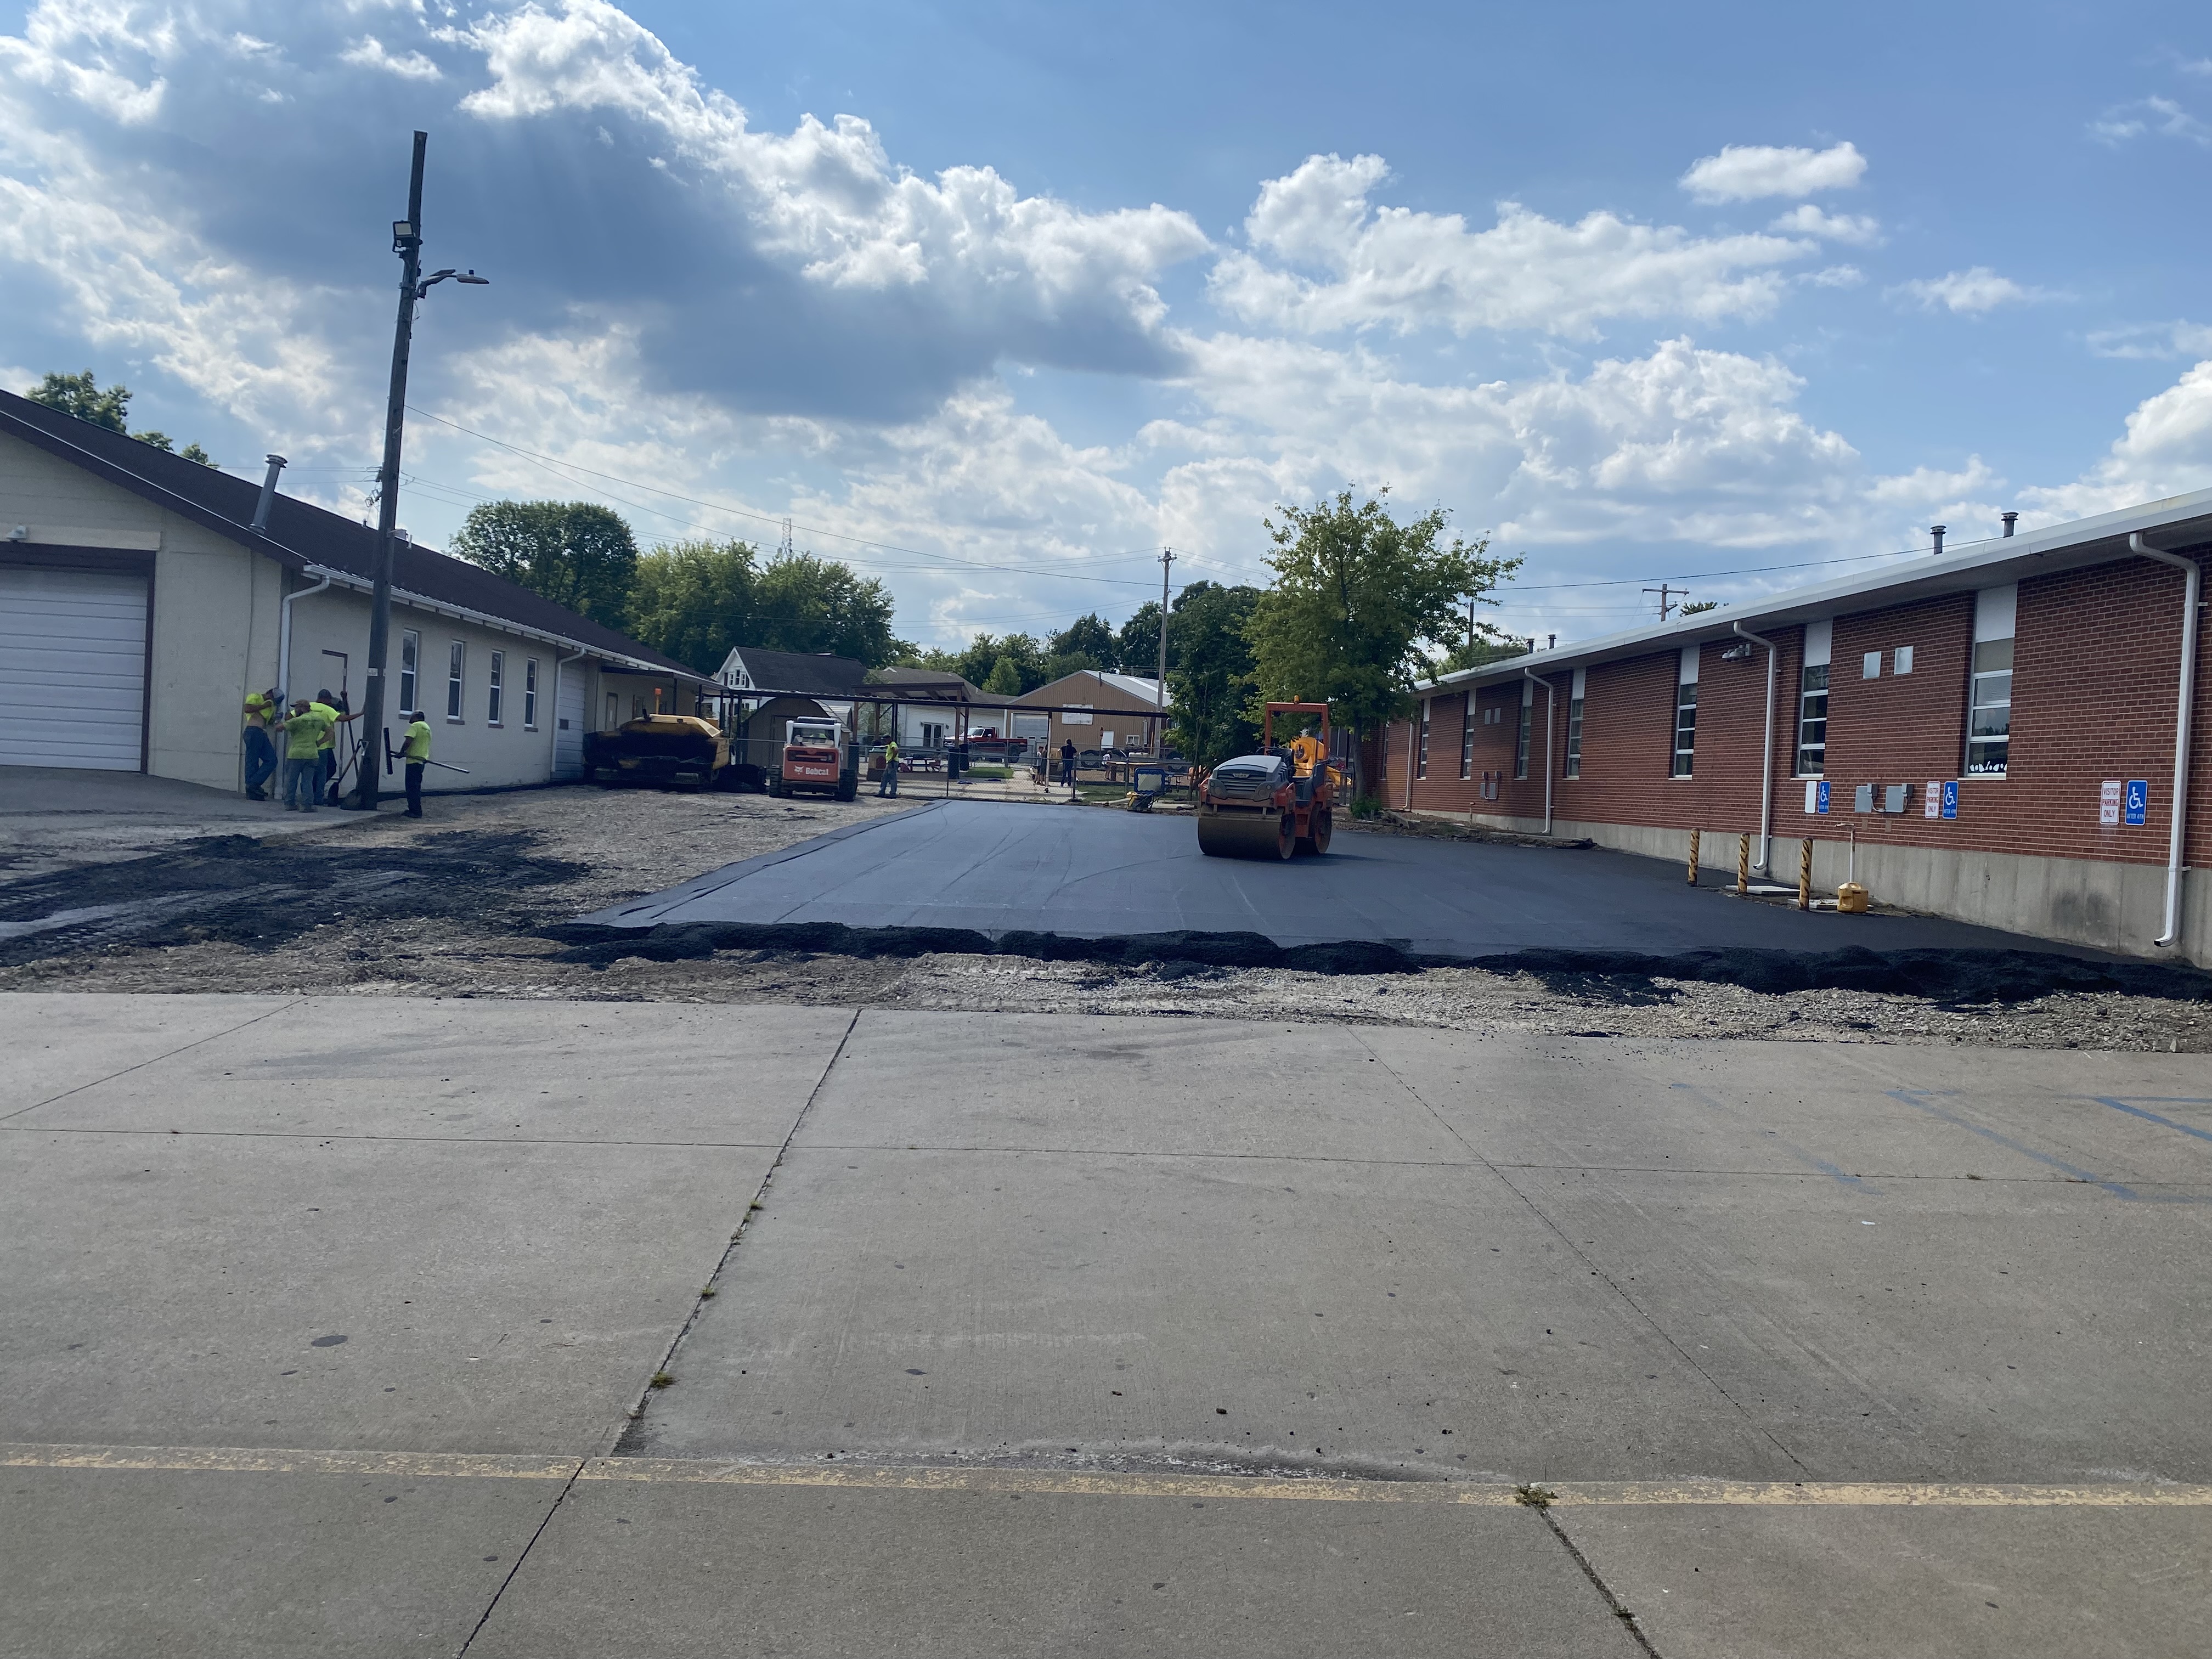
[(407, 243)]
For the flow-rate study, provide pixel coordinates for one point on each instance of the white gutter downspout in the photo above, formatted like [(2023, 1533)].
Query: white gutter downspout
[(553, 767), (1549, 699), (285, 640), (2192, 587), (1762, 863)]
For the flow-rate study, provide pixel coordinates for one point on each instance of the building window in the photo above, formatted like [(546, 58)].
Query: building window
[(456, 659), (1421, 760), (1520, 734), (932, 736), (410, 660), (1813, 701), (495, 691), (1989, 699), (1467, 737), (1574, 764), (1686, 713), (530, 694)]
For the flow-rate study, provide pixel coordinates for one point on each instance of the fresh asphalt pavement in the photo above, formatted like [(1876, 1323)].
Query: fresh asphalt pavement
[(329, 1326), (1090, 874)]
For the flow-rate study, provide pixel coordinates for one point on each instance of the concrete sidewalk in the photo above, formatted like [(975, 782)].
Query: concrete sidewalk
[(330, 1325)]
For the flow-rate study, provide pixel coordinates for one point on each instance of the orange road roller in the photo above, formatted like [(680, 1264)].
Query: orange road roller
[(1277, 803)]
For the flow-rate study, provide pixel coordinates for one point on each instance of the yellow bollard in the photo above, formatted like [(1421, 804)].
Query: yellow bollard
[(1805, 875), (1743, 866), (1693, 858)]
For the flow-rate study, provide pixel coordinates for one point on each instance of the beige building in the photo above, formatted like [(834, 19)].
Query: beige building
[(138, 608), (1095, 711)]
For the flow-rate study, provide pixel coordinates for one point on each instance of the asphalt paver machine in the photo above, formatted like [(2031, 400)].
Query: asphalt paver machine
[(1276, 803)]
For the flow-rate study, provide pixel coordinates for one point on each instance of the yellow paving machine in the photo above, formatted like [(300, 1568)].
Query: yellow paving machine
[(1277, 803)]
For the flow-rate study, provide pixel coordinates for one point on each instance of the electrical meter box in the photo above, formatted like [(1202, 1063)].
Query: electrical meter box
[(1895, 796), (1862, 799)]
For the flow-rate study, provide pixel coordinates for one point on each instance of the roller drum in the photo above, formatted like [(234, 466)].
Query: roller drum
[(1247, 835)]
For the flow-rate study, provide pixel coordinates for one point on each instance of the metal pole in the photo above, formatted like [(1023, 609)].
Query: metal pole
[(387, 501), (1160, 745)]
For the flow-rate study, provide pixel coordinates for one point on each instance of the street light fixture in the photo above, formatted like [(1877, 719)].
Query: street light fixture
[(407, 243)]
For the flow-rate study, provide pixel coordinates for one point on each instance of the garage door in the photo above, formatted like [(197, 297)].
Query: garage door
[(72, 668)]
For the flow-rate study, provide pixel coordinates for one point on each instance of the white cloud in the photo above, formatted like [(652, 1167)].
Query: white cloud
[(2163, 116), (2153, 340), (1745, 173), (2165, 450), (1807, 220), (1405, 270), (1972, 293), (1834, 276), (368, 52)]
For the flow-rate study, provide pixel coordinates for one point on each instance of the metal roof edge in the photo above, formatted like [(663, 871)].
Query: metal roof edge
[(2095, 540)]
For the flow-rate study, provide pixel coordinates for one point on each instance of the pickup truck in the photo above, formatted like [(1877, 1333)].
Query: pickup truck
[(669, 751)]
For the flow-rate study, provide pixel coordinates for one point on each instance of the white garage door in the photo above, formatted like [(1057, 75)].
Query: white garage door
[(72, 668), (569, 734)]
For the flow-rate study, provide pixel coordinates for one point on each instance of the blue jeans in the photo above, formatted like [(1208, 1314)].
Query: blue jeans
[(260, 759), (303, 781), (890, 785)]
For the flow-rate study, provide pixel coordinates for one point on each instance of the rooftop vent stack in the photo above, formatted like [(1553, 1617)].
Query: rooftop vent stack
[(2010, 520), (268, 495), (1936, 531), (1550, 641)]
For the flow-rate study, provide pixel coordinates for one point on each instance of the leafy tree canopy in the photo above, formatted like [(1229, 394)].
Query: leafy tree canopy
[(694, 601), (1137, 648), (1697, 608), (1209, 668), (577, 554), (805, 603), (1004, 680), (80, 395), (1357, 599), (1089, 638)]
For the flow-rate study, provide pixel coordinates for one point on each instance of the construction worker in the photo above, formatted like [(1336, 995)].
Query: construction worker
[(333, 709), (303, 729), (1307, 751), (889, 784), (260, 748), (1067, 762), (415, 749)]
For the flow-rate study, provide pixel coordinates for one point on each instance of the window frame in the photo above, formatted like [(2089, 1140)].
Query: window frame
[(1807, 691), (1467, 739), (1683, 755), (1421, 755), (411, 666), (1522, 731), (495, 689), (457, 680), (530, 694), (1572, 766), (1996, 630)]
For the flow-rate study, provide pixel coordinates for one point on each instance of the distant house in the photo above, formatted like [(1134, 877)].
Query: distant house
[(1097, 711), (934, 707), (139, 606), (817, 674)]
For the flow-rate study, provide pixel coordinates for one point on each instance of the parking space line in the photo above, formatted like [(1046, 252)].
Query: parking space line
[(1101, 1483), (2134, 1110), (1924, 1099), (1841, 1177)]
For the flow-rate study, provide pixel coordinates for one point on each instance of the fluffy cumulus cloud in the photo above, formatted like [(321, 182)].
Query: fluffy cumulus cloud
[(1970, 293), (1323, 257), (1749, 172), (711, 325)]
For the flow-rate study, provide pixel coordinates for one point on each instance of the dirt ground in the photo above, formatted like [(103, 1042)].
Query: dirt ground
[(453, 906)]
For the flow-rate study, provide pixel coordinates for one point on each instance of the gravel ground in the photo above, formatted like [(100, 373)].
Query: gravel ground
[(451, 907)]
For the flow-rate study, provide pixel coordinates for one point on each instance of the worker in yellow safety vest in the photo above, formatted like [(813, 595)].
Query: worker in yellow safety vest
[(260, 748), (415, 749), (1307, 751), (888, 786)]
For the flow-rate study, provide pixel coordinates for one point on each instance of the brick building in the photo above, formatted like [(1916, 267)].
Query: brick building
[(1995, 731)]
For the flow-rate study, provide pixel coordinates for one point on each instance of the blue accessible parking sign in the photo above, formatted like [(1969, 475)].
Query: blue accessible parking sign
[(1951, 799), (1820, 798), (2136, 804)]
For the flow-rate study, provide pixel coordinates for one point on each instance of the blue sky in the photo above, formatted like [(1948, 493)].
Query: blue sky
[(1027, 292)]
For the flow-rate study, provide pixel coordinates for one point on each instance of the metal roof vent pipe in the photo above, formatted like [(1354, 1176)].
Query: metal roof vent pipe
[(1936, 531), (2010, 520), (268, 495)]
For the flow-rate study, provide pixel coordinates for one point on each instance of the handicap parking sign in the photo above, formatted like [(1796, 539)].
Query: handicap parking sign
[(1951, 799), (1821, 797), (2136, 803)]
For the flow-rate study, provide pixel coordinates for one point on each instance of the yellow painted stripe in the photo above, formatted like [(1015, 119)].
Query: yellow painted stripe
[(1077, 1483)]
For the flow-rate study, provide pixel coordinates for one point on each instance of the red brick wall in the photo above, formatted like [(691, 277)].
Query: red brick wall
[(2095, 668)]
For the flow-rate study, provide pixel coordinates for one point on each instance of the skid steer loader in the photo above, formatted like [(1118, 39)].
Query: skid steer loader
[(1275, 804)]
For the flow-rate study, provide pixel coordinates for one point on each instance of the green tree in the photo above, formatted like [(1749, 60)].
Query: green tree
[(577, 554), (694, 601), (1087, 637), (980, 659), (80, 395), (1357, 599), (1210, 669), (1004, 680), (1137, 649), (1698, 608), (805, 603)]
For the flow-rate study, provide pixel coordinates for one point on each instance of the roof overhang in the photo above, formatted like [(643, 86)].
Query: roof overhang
[(2179, 521)]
